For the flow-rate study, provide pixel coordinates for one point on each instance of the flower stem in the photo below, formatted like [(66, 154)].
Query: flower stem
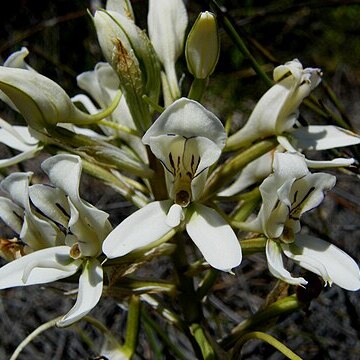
[(32, 336), (225, 172), (270, 340), (197, 89), (118, 127), (208, 282), (230, 28), (132, 326), (163, 335), (281, 307), (190, 304), (251, 246)]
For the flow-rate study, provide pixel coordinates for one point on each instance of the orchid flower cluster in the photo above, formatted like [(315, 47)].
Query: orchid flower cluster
[(135, 128)]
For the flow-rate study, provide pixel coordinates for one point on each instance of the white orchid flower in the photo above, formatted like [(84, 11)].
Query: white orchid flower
[(167, 22), (277, 110), (41, 101), (288, 193), (312, 137), (33, 228), (187, 139), (131, 54), (85, 226)]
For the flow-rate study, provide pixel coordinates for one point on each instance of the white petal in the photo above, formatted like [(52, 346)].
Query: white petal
[(89, 240), (309, 191), (139, 229), (319, 137), (37, 231), (315, 164), (11, 214), (340, 267), (276, 265), (39, 267), (194, 154), (40, 100), (121, 6), (187, 118), (174, 216), (17, 137), (52, 202), (214, 237), (17, 59), (20, 157), (90, 290), (252, 173), (64, 171), (17, 186), (338, 162), (102, 83), (167, 22), (289, 165)]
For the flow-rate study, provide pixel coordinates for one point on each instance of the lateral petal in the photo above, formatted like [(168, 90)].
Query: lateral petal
[(323, 137), (214, 237), (40, 267), (314, 254), (139, 229), (276, 265), (90, 290)]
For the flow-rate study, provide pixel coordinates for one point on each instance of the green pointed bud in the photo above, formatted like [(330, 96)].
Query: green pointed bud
[(203, 46), (129, 51)]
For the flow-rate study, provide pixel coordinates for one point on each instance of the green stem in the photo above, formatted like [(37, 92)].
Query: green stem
[(344, 121), (190, 305), (224, 173), (118, 127), (132, 326), (32, 336), (230, 28), (247, 207), (198, 88), (251, 246), (163, 335), (199, 334), (106, 176), (208, 282), (270, 340), (281, 307)]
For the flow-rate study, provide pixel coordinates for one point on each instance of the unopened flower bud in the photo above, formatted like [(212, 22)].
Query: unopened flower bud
[(203, 46)]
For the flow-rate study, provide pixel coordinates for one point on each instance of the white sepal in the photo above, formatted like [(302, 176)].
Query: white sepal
[(187, 118)]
